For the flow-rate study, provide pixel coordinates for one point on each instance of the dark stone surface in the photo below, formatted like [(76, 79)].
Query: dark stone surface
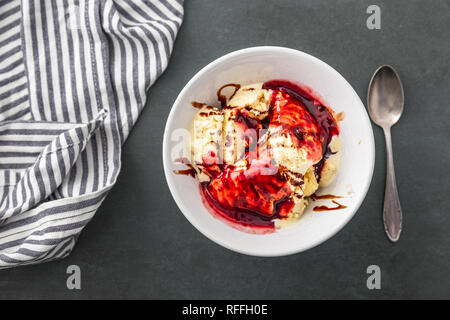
[(139, 245)]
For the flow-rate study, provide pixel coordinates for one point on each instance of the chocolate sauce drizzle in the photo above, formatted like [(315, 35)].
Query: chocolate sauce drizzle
[(315, 197), (222, 98), (325, 208), (187, 172), (198, 105)]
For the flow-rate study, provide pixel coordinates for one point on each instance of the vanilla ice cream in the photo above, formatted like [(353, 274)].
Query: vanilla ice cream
[(261, 132)]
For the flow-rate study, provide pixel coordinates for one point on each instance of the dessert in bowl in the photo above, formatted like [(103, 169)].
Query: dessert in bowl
[(262, 153), (268, 156)]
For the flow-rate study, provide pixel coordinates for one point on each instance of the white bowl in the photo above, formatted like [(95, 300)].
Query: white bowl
[(260, 64)]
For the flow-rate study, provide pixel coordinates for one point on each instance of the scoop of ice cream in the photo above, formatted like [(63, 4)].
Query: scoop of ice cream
[(293, 135), (206, 141), (242, 112)]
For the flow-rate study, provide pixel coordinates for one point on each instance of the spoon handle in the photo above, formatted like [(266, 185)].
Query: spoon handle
[(392, 212)]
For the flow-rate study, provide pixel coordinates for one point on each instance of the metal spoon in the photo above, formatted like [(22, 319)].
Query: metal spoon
[(385, 100)]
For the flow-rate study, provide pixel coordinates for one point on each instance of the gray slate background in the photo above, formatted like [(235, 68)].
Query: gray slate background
[(139, 245)]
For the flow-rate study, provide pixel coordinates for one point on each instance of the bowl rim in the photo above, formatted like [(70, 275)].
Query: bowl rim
[(187, 212)]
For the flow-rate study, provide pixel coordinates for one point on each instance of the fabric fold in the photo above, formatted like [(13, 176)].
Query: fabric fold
[(37, 182)]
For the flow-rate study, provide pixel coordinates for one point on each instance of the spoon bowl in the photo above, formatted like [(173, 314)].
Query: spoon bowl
[(385, 98)]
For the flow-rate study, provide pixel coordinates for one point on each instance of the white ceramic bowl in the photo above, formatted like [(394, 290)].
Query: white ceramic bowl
[(260, 64)]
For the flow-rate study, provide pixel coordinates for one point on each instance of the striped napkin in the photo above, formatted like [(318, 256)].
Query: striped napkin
[(73, 80)]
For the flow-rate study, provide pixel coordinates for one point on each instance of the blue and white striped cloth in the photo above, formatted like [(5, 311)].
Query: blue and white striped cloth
[(73, 80)]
